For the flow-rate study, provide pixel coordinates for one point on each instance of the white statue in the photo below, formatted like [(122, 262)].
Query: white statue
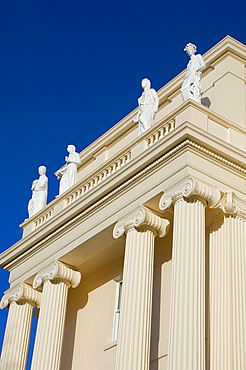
[(191, 87), (148, 106), (67, 175), (39, 192)]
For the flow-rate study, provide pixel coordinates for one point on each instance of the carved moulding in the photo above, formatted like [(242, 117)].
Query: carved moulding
[(21, 293), (190, 188), (56, 272), (141, 218)]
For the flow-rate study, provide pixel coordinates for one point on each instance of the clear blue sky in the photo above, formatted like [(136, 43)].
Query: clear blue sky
[(71, 69)]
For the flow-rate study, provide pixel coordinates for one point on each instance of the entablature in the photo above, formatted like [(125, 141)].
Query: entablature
[(190, 120), (140, 183)]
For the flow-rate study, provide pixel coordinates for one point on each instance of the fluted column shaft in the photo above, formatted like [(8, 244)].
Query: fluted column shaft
[(187, 308), (135, 319), (187, 317), (50, 327), (228, 292), (56, 280), (18, 327), (238, 242), (133, 345)]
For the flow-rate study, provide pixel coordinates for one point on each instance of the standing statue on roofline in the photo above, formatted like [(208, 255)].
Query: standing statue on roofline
[(191, 87), (67, 175), (39, 192), (148, 106)]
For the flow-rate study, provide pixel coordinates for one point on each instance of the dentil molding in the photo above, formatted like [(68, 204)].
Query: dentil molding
[(21, 293), (141, 217), (57, 272), (188, 188)]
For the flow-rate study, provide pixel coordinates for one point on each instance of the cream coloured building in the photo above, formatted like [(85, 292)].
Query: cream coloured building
[(142, 264)]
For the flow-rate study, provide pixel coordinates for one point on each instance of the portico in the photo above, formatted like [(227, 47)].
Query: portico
[(165, 212)]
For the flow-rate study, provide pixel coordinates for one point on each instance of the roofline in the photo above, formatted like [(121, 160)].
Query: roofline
[(165, 94)]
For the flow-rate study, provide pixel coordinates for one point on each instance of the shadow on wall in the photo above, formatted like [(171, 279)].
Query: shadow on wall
[(77, 300), (161, 297), (73, 306), (206, 102)]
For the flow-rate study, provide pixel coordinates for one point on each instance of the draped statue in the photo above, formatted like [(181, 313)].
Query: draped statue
[(191, 87), (67, 175), (39, 192), (148, 106)]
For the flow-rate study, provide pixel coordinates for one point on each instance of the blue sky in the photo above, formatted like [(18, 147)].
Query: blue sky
[(70, 70)]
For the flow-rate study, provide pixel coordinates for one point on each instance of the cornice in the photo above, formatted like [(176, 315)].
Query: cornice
[(57, 272), (215, 156), (228, 43), (49, 209), (21, 293), (12, 260), (188, 188), (141, 217)]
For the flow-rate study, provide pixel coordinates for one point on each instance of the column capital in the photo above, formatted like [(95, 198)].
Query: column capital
[(141, 217), (21, 293), (57, 271), (232, 205), (190, 188)]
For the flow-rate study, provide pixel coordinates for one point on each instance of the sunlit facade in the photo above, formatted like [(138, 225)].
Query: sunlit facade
[(142, 263)]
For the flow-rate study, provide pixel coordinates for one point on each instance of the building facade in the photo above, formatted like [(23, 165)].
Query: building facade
[(142, 263)]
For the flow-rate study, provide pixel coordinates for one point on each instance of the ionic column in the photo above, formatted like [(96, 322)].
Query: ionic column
[(133, 345), (187, 312), (21, 300), (227, 298), (56, 279)]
